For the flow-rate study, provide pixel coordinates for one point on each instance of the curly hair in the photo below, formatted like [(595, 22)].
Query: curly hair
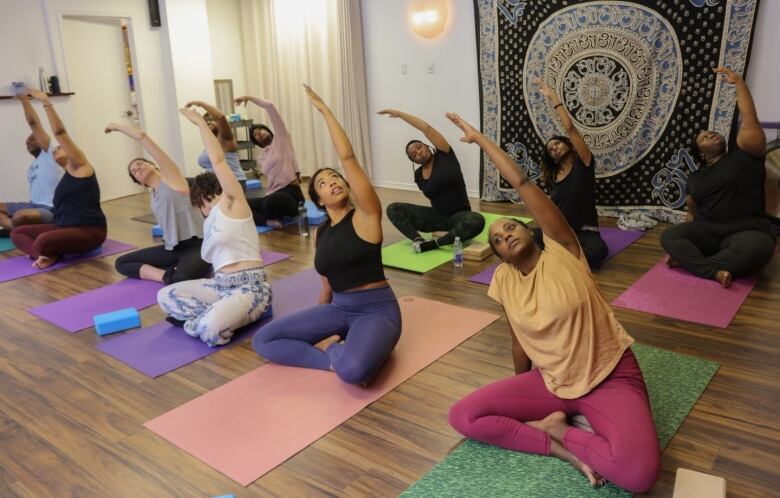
[(203, 188), (549, 166)]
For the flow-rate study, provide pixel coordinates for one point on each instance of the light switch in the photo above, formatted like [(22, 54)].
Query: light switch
[(431, 67), (403, 68)]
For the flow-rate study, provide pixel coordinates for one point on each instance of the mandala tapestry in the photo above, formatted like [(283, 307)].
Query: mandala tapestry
[(634, 76)]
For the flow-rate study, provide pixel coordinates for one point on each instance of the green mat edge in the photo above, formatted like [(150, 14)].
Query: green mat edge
[(566, 475)]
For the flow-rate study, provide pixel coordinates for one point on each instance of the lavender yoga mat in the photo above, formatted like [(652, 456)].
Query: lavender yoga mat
[(675, 293), (616, 240), (75, 313), (21, 266), (163, 347)]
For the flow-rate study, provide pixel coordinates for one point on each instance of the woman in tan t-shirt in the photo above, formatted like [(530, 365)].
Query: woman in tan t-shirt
[(581, 354)]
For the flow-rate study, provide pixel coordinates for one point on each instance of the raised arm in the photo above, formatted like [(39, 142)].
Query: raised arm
[(76, 157), (232, 194), (277, 123), (750, 137), (365, 195), (227, 138), (580, 147), (169, 172), (429, 131), (31, 117), (543, 210)]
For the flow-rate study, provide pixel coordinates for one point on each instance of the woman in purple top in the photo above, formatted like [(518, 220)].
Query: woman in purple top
[(277, 161)]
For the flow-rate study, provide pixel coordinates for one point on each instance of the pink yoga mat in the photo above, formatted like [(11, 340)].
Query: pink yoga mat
[(675, 293), (21, 266), (256, 422), (616, 240), (76, 312), (162, 347)]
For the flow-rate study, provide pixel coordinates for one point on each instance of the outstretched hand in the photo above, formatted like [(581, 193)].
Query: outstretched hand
[(130, 131), (193, 115), (470, 134), (544, 88), (193, 103), (390, 112), (245, 99), (316, 100), (36, 94), (728, 74)]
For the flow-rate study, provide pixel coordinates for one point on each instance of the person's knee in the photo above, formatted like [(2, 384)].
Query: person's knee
[(459, 417), (355, 372), (262, 339), (120, 265), (641, 472), (24, 217), (668, 237), (395, 211)]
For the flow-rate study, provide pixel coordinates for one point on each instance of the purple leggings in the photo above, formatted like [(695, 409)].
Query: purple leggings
[(623, 447), (368, 321)]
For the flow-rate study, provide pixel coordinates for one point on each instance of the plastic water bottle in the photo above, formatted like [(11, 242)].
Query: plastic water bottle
[(458, 253), (303, 220)]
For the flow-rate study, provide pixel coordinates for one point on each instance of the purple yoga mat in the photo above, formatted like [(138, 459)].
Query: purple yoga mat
[(21, 266), (75, 313), (271, 257), (616, 240), (163, 348), (675, 293)]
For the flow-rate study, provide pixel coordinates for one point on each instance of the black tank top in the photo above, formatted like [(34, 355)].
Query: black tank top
[(77, 201), (346, 260), (575, 195)]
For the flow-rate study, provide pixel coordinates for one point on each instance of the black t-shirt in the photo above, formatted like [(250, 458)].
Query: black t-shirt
[(77, 201), (445, 188), (731, 189), (575, 195)]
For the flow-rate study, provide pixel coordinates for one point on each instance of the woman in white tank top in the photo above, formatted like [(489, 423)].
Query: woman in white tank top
[(214, 308)]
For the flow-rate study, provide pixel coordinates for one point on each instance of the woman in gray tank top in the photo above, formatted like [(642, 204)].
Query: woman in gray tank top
[(182, 224)]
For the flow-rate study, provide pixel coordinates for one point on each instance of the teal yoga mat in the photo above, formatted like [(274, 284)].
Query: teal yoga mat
[(674, 382), (6, 245)]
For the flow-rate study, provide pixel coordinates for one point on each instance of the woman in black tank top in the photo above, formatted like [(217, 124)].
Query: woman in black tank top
[(358, 322), (79, 223), (568, 172)]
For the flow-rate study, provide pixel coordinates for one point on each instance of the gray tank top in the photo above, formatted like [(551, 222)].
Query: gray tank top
[(232, 160), (177, 217)]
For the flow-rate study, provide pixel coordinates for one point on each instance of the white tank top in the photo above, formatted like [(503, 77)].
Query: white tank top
[(229, 240)]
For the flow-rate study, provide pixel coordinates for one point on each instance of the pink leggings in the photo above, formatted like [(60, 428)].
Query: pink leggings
[(623, 447)]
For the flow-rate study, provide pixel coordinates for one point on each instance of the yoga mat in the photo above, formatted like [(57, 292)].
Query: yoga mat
[(256, 422), (271, 257), (401, 255), (162, 347), (76, 312), (146, 218), (490, 218), (616, 240), (6, 245), (675, 293), (674, 382), (21, 266)]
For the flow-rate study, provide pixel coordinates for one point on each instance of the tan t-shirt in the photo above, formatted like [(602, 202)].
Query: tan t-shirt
[(561, 320)]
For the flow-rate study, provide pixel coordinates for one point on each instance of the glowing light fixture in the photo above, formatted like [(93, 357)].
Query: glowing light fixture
[(428, 18)]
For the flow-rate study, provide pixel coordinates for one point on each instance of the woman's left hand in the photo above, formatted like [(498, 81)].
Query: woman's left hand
[(728, 74), (544, 88), (192, 115), (316, 100), (37, 94)]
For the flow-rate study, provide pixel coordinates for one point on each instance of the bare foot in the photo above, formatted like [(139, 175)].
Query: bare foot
[(724, 277), (553, 424), (43, 262), (593, 477), (673, 263), (325, 343), (274, 224)]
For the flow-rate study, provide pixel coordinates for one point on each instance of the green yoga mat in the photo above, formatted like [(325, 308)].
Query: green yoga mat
[(490, 218), (674, 382), (401, 255), (6, 245)]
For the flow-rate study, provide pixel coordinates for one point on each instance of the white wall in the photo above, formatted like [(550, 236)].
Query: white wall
[(453, 86), (764, 66), (224, 17)]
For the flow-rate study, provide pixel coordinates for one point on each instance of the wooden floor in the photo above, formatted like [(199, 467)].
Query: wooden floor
[(71, 417)]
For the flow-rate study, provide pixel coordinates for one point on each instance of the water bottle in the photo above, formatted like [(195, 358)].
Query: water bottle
[(303, 220), (42, 80), (458, 253)]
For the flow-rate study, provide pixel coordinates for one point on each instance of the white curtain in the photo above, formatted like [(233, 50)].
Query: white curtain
[(319, 42)]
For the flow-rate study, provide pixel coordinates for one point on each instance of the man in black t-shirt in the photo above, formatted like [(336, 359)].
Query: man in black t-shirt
[(440, 179), (727, 233)]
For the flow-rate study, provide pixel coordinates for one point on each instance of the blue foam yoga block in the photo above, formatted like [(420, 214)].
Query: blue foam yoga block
[(156, 231), (225, 496), (117, 321), (316, 217), (253, 184)]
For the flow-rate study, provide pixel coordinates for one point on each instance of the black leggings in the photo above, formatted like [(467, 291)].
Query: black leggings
[(705, 248), (283, 202), (183, 262), (593, 246), (411, 219)]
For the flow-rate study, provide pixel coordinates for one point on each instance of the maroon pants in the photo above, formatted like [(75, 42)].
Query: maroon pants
[(53, 241)]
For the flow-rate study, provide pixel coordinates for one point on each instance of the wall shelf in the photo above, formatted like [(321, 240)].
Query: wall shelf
[(66, 94)]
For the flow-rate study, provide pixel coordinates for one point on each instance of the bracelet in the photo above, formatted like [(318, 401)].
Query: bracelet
[(558, 105), (48, 105)]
